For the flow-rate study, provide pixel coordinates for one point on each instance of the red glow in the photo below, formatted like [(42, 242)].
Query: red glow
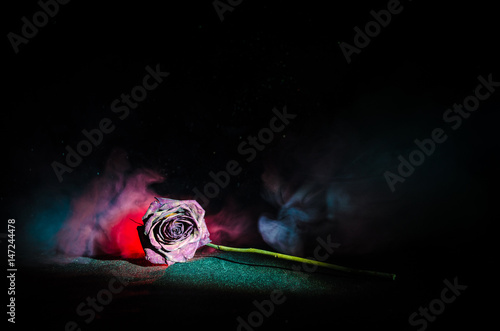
[(124, 238), (100, 222)]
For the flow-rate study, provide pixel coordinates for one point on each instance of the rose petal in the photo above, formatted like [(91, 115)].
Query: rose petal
[(156, 258), (152, 208)]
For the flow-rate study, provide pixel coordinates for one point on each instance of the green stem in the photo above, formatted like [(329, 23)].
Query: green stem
[(300, 259)]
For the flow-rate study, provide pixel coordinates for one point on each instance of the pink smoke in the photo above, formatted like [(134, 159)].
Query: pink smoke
[(234, 225), (102, 218)]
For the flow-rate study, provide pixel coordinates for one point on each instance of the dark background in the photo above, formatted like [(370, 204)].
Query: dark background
[(225, 77)]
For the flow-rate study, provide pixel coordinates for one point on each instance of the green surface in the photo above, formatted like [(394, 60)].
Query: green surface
[(219, 289), (223, 285)]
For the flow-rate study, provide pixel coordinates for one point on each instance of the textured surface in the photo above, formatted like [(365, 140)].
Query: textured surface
[(214, 290)]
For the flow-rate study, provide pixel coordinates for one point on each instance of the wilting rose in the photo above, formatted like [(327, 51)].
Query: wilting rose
[(173, 230)]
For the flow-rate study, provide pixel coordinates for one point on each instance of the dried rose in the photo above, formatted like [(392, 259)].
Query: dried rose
[(173, 230)]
